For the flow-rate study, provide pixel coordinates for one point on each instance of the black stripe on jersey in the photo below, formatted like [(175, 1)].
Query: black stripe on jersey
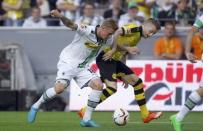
[(136, 29), (123, 31)]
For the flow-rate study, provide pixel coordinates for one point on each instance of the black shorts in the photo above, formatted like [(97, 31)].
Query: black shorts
[(112, 69)]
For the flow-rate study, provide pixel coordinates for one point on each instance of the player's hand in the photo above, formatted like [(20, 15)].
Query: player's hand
[(108, 55), (133, 50), (125, 85), (191, 57), (55, 13)]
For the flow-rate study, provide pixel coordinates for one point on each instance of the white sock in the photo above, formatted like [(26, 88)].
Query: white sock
[(190, 103), (47, 95), (93, 101)]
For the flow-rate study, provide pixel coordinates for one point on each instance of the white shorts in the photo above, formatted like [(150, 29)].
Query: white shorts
[(82, 76)]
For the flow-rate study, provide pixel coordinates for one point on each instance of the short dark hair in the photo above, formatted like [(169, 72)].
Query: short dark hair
[(154, 22), (89, 3), (172, 23)]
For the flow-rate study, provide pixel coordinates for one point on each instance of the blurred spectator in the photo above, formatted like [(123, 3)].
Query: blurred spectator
[(115, 12), (2, 12), (26, 8), (44, 7), (132, 16), (48, 5), (184, 14), (170, 45), (14, 12), (69, 8), (52, 4), (200, 8), (35, 20), (33, 3), (89, 17), (193, 5), (144, 6), (197, 44), (95, 2), (167, 12)]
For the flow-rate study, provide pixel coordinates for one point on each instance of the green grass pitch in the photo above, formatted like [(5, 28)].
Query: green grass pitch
[(68, 121)]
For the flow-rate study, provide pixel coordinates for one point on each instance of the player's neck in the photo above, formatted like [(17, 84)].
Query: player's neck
[(98, 29)]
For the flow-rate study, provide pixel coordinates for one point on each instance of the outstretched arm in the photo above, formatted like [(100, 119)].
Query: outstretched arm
[(67, 22)]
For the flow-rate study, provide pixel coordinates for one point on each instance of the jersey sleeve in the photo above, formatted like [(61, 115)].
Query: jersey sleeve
[(199, 22), (83, 30), (130, 28)]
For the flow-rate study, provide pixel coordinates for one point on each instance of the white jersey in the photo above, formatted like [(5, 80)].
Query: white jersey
[(84, 47), (199, 22)]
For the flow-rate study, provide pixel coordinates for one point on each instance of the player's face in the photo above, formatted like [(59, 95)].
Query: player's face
[(105, 32), (149, 30)]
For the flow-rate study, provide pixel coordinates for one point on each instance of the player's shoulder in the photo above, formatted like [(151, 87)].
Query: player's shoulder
[(88, 29), (131, 28), (84, 26), (130, 25)]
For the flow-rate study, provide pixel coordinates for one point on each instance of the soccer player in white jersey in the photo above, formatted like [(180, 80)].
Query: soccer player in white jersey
[(196, 95), (73, 64)]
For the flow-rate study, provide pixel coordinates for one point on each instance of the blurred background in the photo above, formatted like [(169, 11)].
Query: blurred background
[(31, 41)]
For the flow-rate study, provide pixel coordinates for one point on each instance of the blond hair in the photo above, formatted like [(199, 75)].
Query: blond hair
[(154, 22), (110, 23)]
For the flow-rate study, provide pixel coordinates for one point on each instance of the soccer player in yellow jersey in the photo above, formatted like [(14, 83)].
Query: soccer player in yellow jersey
[(127, 38)]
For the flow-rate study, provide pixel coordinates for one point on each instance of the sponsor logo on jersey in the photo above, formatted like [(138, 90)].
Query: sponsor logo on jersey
[(91, 45)]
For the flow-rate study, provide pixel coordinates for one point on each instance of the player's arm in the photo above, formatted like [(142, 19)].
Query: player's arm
[(118, 32), (67, 22), (108, 55), (188, 53), (122, 32)]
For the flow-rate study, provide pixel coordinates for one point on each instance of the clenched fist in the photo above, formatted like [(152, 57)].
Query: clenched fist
[(55, 13), (133, 50)]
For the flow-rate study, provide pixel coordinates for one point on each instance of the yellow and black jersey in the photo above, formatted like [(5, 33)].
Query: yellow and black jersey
[(130, 37)]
